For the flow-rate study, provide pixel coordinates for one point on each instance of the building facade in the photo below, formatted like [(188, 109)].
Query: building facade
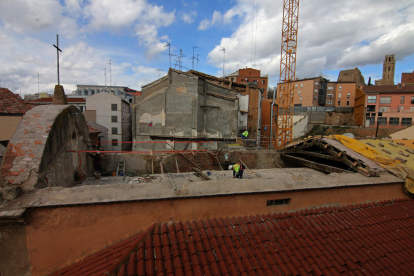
[(127, 94), (113, 113), (319, 92), (407, 78), (250, 76), (389, 105)]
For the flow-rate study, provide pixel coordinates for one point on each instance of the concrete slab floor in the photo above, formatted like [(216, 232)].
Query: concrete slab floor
[(170, 186)]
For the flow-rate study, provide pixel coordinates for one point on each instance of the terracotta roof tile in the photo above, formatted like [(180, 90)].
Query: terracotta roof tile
[(11, 103), (322, 241)]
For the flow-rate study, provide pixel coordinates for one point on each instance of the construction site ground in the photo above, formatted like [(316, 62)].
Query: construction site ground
[(358, 132)]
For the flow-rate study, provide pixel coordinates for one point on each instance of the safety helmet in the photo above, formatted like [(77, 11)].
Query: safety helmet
[(230, 167)]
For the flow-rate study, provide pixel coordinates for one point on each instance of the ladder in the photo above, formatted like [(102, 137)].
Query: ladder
[(120, 170)]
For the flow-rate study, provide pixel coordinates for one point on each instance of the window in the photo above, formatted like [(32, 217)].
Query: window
[(348, 95), (371, 108), (114, 130), (300, 98), (114, 107), (384, 109), (114, 119), (371, 99), (316, 83), (385, 100), (296, 85), (347, 102), (412, 100), (371, 120), (339, 102), (316, 90), (400, 108), (274, 202), (263, 82), (242, 80), (299, 92), (382, 120), (315, 98), (373, 114), (412, 109), (394, 121), (330, 87), (340, 88), (330, 96), (406, 121), (115, 142), (329, 102), (339, 95), (402, 99), (301, 84), (247, 80)]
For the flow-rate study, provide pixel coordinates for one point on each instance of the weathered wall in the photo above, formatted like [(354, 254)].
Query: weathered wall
[(300, 126), (351, 75), (340, 119), (36, 156), (407, 133), (14, 253), (8, 125), (138, 164), (188, 108), (58, 237)]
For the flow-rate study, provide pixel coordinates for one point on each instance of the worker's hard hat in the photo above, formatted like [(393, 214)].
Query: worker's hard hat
[(98, 152), (230, 167)]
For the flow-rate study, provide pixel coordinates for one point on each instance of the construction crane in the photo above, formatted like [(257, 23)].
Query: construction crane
[(287, 73)]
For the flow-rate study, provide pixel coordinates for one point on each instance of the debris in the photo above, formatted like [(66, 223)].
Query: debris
[(386, 151), (394, 145), (409, 151), (401, 144), (11, 192), (381, 144), (401, 160), (201, 174), (403, 154), (369, 144)]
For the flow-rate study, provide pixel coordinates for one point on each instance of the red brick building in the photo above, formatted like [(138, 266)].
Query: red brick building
[(251, 76), (407, 78), (390, 105)]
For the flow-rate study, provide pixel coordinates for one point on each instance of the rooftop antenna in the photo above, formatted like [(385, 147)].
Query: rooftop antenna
[(57, 50), (224, 58), (159, 71), (193, 55), (169, 52), (110, 72), (105, 76), (197, 61), (179, 60)]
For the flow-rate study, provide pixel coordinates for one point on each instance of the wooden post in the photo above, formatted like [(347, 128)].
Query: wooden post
[(161, 167), (152, 166)]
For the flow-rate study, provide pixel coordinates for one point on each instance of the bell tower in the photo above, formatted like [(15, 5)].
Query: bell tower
[(388, 71)]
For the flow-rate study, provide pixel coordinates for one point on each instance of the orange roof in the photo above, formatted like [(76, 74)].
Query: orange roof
[(11, 103), (364, 239), (50, 100)]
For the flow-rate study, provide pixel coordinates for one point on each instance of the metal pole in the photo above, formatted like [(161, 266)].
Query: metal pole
[(57, 38), (38, 93), (376, 132), (272, 115), (110, 73)]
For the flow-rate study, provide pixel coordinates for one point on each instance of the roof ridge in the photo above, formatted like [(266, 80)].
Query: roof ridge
[(126, 253)]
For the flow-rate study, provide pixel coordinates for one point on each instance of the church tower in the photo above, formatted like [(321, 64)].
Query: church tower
[(388, 70)]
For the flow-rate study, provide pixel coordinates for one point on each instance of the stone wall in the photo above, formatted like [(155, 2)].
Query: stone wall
[(37, 156), (340, 119)]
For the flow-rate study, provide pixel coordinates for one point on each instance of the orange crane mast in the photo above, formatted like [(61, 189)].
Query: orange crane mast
[(287, 73)]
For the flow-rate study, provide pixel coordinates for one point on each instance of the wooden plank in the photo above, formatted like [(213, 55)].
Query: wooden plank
[(201, 174), (313, 165), (176, 163), (315, 154), (161, 167), (190, 161)]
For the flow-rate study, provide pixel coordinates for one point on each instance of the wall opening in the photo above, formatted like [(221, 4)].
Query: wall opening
[(275, 202)]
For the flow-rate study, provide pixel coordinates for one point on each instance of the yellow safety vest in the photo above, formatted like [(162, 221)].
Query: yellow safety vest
[(236, 168)]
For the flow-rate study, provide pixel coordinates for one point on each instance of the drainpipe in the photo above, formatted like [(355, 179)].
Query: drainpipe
[(271, 118)]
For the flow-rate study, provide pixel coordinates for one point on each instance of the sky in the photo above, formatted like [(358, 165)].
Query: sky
[(133, 34)]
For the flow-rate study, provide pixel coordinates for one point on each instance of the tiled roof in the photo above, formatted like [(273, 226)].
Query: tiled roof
[(364, 239), (93, 130), (11, 103), (50, 100), (388, 88)]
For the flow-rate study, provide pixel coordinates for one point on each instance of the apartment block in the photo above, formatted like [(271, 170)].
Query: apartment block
[(390, 105), (250, 76), (320, 92)]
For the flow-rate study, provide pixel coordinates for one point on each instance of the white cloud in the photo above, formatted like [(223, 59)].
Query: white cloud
[(189, 17), (332, 35), (204, 24), (216, 19)]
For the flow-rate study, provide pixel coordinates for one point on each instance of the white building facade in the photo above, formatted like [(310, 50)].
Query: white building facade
[(90, 90), (113, 113)]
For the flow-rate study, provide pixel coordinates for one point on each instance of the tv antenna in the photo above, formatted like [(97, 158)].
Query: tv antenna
[(110, 72), (224, 57), (197, 61), (169, 52), (159, 70), (193, 55)]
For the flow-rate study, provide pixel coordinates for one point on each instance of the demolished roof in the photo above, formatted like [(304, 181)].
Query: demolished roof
[(11, 103), (373, 238)]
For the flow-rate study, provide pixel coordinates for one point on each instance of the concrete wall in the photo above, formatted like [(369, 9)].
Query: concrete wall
[(8, 125), (58, 237), (37, 156), (103, 136), (317, 117), (188, 108), (300, 126)]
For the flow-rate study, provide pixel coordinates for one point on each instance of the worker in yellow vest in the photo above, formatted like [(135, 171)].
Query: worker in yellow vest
[(245, 134), (238, 170)]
